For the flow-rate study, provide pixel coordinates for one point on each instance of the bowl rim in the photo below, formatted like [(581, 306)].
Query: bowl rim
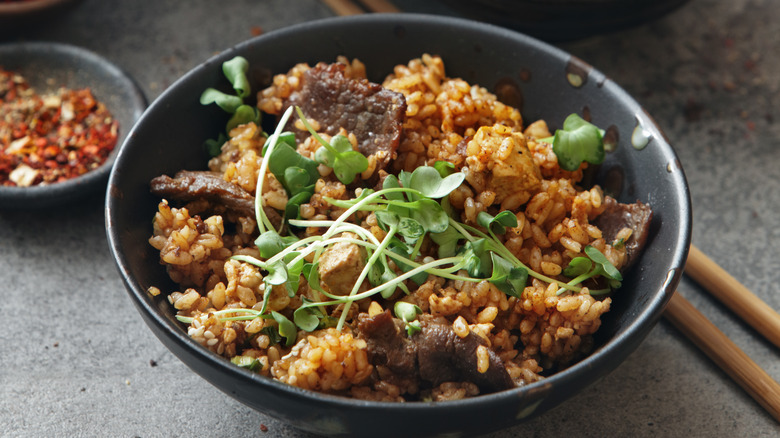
[(45, 195), (633, 333)]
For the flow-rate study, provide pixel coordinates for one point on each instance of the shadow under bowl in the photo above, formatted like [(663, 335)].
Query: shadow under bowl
[(544, 82)]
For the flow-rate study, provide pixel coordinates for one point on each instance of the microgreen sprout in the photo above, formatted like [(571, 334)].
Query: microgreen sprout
[(407, 312), (499, 223), (285, 327), (579, 141), (235, 71), (297, 173), (445, 168), (248, 362), (271, 142), (338, 154), (595, 264)]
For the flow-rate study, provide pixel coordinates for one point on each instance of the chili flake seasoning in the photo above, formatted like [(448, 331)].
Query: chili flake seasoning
[(45, 139)]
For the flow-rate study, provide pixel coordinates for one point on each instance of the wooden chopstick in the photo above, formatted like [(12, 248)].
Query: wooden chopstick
[(343, 7), (734, 295), (716, 345), (347, 7), (380, 6), (730, 358)]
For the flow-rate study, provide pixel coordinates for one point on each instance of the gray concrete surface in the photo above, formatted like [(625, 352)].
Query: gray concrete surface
[(77, 360)]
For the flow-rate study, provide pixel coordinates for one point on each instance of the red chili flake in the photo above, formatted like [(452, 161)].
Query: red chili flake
[(50, 138)]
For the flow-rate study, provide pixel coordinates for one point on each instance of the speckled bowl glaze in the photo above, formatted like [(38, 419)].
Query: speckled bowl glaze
[(48, 66), (543, 81)]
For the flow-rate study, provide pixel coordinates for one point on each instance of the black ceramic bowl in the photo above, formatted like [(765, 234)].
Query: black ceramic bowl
[(48, 66), (169, 136)]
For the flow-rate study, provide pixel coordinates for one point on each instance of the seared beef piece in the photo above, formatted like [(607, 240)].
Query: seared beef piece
[(188, 186), (387, 343), (433, 356), (193, 185), (368, 110), (444, 356), (617, 216)]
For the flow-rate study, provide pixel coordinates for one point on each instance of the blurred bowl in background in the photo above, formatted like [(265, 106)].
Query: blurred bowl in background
[(28, 13), (563, 20)]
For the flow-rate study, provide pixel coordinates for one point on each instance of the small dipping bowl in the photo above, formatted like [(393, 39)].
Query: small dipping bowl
[(48, 66)]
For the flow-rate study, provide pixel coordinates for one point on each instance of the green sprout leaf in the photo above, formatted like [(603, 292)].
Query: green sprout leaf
[(499, 223), (391, 182), (308, 316), (579, 141), (578, 266), (277, 273), (312, 275), (327, 156), (447, 241), (302, 170), (298, 180), (595, 264), (430, 183), (235, 71), (606, 267), (272, 333), (407, 312), (227, 102), (388, 218), (405, 180), (445, 168), (294, 271), (401, 249), (477, 257), (348, 165), (297, 173), (248, 362), (387, 277), (293, 207), (507, 277), (413, 327), (269, 243), (430, 215), (214, 146), (286, 327), (338, 154), (410, 228), (243, 115)]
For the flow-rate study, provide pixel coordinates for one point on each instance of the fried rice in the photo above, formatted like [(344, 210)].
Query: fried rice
[(446, 119)]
